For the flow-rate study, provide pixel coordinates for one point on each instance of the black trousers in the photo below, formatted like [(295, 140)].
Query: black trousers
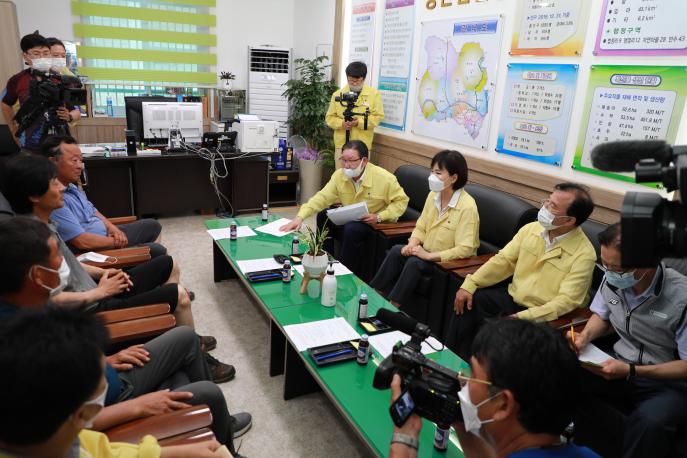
[(399, 275), (487, 304), (635, 418), (144, 232), (177, 363), (356, 238), (149, 287)]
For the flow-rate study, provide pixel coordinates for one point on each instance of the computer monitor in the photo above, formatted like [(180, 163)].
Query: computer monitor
[(134, 111), (159, 117)]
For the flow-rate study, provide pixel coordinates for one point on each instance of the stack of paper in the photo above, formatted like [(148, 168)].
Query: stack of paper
[(225, 233), (273, 227), (92, 256), (317, 333), (339, 269), (593, 355), (348, 213), (384, 343), (257, 265)]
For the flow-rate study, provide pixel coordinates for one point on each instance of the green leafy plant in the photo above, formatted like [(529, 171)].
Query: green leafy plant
[(309, 97), (227, 76), (314, 238)]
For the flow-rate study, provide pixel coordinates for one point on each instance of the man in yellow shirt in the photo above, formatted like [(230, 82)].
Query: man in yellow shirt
[(357, 181), (54, 385), (551, 261), (367, 98)]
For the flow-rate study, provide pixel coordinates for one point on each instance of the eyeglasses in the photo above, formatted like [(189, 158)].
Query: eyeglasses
[(346, 162), (464, 379), (616, 269), (549, 205)]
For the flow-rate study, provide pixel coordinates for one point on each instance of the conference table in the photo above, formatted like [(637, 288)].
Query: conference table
[(347, 384)]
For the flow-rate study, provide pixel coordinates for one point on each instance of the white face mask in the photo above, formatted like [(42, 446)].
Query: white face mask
[(435, 183), (63, 273), (352, 173), (42, 64), (545, 218), (99, 401), (473, 424), (356, 87), (59, 63)]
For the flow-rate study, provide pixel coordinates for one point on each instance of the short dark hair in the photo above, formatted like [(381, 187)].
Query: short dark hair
[(23, 243), (357, 145), (536, 364), (52, 41), (454, 163), (356, 70), (51, 363), (582, 206), (33, 40), (24, 176), (610, 237), (51, 145)]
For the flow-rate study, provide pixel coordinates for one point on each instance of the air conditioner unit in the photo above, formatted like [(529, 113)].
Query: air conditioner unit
[(268, 69)]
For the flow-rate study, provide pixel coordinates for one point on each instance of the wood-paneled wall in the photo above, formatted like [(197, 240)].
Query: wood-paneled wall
[(106, 130), (391, 152)]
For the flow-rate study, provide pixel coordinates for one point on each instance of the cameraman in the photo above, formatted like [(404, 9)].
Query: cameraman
[(36, 53), (368, 97), (640, 392), (519, 399)]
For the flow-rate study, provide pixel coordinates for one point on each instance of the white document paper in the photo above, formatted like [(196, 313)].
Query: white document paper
[(93, 256), (273, 227), (225, 232), (317, 333), (256, 265), (348, 213), (384, 343), (339, 269), (91, 151), (248, 117), (593, 355)]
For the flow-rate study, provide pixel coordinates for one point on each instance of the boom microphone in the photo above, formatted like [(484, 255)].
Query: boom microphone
[(623, 156), (397, 320)]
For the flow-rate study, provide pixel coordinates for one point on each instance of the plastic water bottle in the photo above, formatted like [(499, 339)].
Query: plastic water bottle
[(110, 108), (328, 297)]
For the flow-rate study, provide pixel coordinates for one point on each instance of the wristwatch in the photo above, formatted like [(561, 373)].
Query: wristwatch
[(405, 439), (633, 371)]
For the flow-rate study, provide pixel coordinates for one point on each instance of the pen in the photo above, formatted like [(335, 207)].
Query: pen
[(332, 355), (262, 277), (572, 335)]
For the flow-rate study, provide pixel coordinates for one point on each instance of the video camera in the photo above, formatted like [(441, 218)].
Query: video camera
[(348, 100), (651, 227), (45, 97), (433, 388)]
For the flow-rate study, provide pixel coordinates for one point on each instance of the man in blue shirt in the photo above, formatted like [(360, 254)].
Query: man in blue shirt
[(518, 400), (640, 392), (79, 223)]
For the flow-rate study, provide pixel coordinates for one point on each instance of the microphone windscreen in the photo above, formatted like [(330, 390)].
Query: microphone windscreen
[(397, 320), (623, 156)]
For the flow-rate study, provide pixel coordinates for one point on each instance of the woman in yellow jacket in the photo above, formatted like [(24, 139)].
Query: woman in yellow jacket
[(448, 228)]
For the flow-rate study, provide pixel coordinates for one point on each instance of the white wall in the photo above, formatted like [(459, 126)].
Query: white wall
[(313, 23), (53, 18), (507, 9)]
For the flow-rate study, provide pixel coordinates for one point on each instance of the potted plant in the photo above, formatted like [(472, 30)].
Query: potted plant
[(228, 79), (315, 259), (309, 97)]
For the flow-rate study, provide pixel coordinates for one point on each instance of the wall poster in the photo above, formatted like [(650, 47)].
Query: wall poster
[(546, 28), (456, 79), (642, 28), (536, 116), (630, 103), (397, 52), (362, 32)]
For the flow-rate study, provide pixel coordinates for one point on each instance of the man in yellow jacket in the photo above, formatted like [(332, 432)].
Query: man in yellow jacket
[(368, 98), (357, 181), (551, 261), (54, 385)]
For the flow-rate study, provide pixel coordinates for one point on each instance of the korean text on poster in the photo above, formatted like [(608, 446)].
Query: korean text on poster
[(546, 28)]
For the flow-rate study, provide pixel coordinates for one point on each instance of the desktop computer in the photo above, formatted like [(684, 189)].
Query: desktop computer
[(164, 122)]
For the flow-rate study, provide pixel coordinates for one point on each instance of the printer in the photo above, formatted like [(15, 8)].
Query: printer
[(254, 134)]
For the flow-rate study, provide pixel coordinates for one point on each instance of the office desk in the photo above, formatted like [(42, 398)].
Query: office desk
[(347, 385), (172, 184)]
